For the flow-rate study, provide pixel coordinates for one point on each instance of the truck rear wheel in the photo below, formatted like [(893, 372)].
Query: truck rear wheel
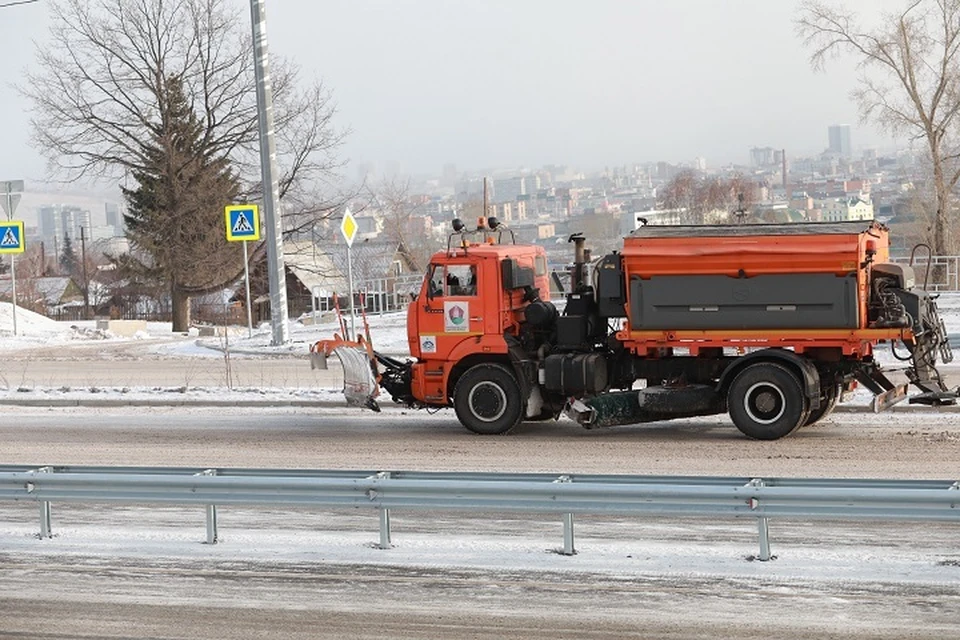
[(828, 400), (766, 401), (487, 399)]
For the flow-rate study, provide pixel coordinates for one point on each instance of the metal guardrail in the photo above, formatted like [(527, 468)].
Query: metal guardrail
[(759, 498)]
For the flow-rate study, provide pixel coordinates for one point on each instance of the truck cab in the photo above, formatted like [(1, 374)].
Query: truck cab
[(471, 305)]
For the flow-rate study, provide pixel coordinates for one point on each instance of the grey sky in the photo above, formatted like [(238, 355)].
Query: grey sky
[(510, 83)]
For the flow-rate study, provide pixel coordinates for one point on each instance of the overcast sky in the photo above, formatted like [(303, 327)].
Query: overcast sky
[(522, 83)]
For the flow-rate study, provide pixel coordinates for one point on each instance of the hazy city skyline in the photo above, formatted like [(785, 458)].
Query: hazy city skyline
[(422, 83)]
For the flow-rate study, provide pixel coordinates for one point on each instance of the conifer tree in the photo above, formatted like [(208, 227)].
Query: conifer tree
[(175, 213), (68, 257)]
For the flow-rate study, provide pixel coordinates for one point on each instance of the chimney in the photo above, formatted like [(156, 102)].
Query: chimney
[(783, 158)]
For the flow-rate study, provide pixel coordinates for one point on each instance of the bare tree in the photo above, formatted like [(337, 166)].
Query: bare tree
[(682, 192), (102, 90), (911, 82), (698, 195), (403, 221)]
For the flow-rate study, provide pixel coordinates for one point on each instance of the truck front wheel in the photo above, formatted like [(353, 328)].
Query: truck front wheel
[(487, 399), (766, 401)]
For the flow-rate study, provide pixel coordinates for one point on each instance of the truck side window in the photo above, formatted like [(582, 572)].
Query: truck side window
[(435, 287), (461, 280)]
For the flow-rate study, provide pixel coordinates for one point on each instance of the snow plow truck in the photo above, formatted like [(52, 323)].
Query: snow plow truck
[(770, 323)]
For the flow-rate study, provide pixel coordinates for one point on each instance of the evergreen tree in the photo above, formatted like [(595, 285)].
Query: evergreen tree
[(68, 257), (175, 213)]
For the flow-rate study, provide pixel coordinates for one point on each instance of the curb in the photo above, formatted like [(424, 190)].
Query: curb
[(93, 402), (905, 408), (161, 402)]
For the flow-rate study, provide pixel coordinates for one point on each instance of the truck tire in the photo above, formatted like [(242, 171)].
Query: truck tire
[(828, 400), (766, 401), (487, 399)]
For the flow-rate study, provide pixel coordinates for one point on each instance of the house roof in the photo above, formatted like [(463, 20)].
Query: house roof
[(324, 268), (312, 267), (54, 289)]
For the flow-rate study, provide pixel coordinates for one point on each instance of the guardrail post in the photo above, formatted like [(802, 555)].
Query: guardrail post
[(45, 520), (764, 539), (212, 536), (384, 518), (762, 528), (568, 546)]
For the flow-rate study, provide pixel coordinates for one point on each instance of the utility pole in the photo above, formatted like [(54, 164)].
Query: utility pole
[(276, 271), (86, 283)]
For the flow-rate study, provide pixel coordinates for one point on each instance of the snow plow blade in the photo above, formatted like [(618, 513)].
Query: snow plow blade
[(360, 380)]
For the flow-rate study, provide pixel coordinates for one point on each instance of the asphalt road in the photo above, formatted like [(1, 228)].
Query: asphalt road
[(101, 577)]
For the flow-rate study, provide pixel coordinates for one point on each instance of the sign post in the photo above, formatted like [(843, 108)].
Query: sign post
[(243, 224), (11, 241), (349, 228), (10, 193)]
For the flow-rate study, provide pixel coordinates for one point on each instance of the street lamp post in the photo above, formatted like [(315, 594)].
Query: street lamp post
[(271, 190)]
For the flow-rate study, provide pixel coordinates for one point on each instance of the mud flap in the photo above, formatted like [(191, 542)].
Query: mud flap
[(318, 360)]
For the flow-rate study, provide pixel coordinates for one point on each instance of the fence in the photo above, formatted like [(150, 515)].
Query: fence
[(377, 295), (944, 272), (395, 294), (566, 495)]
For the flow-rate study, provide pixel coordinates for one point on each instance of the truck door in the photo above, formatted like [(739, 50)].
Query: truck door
[(451, 311)]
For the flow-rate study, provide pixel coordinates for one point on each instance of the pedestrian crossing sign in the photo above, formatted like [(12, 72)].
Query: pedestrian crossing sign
[(243, 222), (11, 236)]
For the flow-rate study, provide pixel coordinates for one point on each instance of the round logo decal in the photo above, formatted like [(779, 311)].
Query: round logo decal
[(456, 315)]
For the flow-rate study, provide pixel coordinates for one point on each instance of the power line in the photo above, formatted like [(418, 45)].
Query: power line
[(16, 2)]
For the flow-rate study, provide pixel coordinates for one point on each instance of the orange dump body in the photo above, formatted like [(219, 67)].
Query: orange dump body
[(798, 286)]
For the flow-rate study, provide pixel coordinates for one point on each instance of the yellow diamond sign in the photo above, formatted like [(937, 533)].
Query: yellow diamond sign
[(349, 227)]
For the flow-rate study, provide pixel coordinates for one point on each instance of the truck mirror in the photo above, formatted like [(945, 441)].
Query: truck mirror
[(515, 276)]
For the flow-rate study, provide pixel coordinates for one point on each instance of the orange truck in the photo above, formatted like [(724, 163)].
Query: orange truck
[(773, 324)]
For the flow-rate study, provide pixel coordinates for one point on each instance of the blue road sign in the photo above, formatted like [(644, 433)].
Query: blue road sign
[(243, 222), (11, 236)]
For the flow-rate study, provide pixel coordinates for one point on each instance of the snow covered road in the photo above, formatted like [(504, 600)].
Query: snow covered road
[(293, 574)]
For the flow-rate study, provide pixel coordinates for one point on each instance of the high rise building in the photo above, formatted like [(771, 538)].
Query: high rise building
[(839, 135), (762, 156), (59, 221), (111, 212), (449, 176), (508, 189)]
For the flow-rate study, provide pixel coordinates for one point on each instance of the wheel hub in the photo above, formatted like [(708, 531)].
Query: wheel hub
[(487, 401), (764, 403)]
